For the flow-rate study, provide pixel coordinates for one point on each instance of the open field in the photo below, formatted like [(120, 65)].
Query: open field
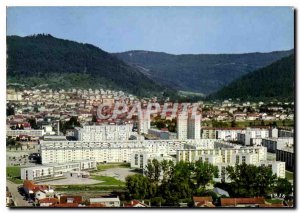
[(13, 173), (103, 167)]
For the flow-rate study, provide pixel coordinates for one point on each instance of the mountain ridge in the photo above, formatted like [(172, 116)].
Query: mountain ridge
[(42, 58), (204, 73), (275, 81)]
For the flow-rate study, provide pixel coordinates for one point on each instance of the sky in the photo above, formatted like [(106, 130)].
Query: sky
[(176, 30)]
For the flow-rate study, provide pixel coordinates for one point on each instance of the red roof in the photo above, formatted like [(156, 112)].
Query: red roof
[(48, 200), (133, 203), (65, 205), (235, 201), (205, 204), (96, 205), (201, 199), (76, 199), (30, 186)]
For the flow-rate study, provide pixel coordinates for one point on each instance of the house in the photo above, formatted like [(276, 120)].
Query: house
[(70, 199), (203, 201), (242, 202), (38, 191), (136, 203), (108, 201), (46, 202)]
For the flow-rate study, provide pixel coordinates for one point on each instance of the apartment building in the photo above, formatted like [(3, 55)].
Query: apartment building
[(188, 126), (208, 133), (229, 134), (224, 157), (140, 160), (28, 132), (144, 121), (105, 151), (104, 132), (273, 144), (248, 138), (49, 171), (285, 133), (287, 155)]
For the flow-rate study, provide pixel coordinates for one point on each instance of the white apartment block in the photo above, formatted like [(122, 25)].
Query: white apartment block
[(228, 134), (104, 132), (273, 144), (287, 155), (140, 160), (144, 122), (252, 133), (106, 151), (188, 126), (224, 157), (208, 133), (55, 170), (286, 133), (194, 127), (28, 132), (182, 127)]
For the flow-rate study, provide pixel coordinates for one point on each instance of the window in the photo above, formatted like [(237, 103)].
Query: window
[(237, 159), (243, 159), (136, 158)]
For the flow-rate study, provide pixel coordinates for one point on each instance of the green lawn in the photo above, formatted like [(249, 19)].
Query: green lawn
[(92, 187), (108, 181), (102, 167), (274, 201), (108, 184), (13, 173), (289, 175)]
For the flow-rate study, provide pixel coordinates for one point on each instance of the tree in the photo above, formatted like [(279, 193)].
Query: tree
[(233, 123), (250, 180), (33, 123), (283, 187), (10, 111), (137, 186), (204, 173)]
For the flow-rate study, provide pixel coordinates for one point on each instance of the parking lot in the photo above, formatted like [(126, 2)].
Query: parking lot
[(19, 158)]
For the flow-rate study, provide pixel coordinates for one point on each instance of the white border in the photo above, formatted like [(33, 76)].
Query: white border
[(5, 3)]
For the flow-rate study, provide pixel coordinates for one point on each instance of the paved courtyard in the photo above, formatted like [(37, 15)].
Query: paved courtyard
[(118, 173)]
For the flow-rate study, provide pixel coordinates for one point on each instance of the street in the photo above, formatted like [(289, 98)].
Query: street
[(17, 197)]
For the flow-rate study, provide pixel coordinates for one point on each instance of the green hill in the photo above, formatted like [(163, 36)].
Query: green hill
[(200, 73), (275, 81), (43, 59)]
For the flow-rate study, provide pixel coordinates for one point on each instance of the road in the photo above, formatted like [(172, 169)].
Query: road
[(17, 197)]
